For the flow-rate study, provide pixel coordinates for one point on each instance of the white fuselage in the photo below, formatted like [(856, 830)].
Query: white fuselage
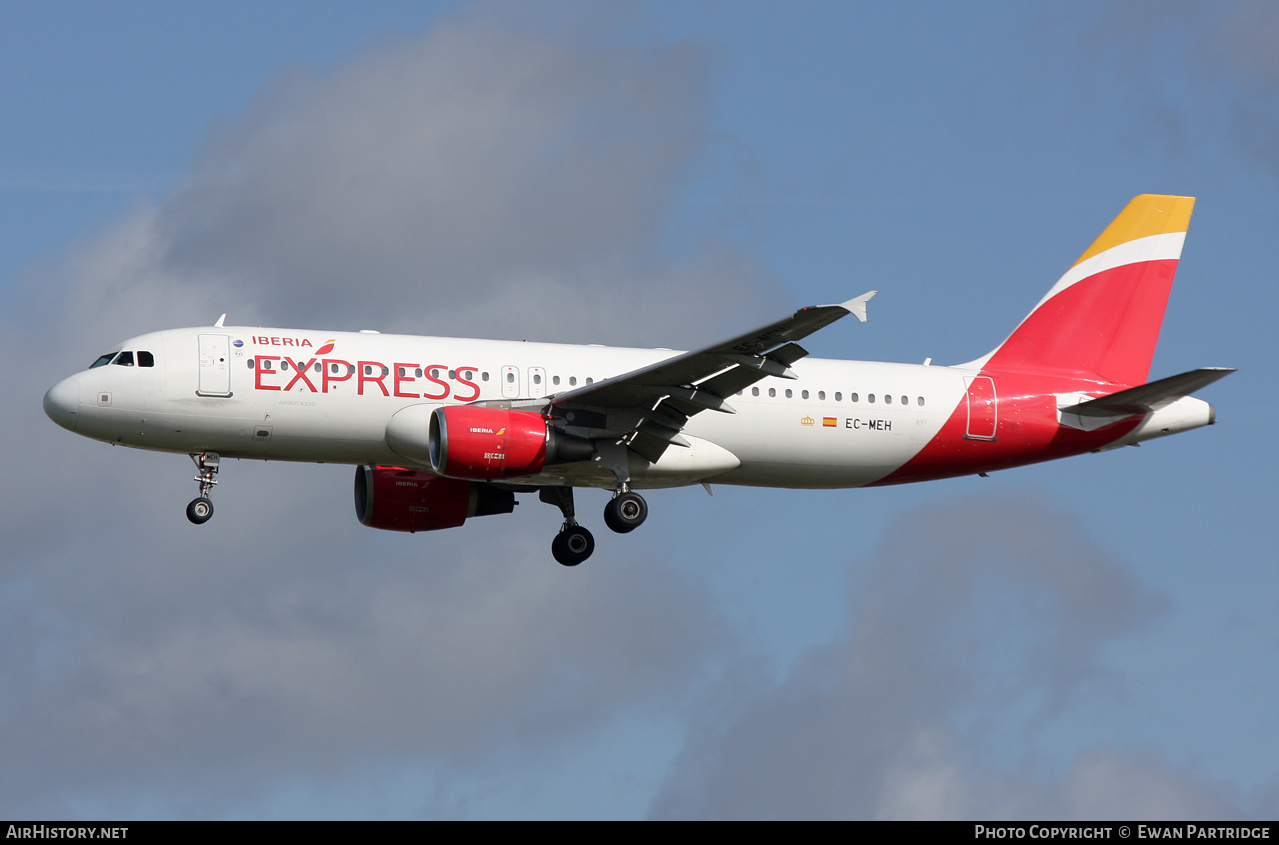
[(238, 392)]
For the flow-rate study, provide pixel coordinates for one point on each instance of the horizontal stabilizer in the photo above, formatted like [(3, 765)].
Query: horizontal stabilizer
[(1149, 397)]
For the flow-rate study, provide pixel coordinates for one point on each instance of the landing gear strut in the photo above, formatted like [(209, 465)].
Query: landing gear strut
[(200, 509), (574, 543), (625, 512)]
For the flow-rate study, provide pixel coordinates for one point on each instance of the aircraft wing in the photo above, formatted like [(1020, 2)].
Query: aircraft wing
[(647, 408)]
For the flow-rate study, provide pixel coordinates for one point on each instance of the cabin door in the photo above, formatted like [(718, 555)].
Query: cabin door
[(215, 365)]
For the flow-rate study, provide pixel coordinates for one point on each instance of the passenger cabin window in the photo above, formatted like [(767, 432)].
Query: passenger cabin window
[(124, 359)]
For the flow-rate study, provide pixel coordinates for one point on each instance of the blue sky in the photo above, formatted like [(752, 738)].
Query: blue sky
[(1089, 638)]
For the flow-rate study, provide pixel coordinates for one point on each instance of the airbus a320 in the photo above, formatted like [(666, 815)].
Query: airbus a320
[(445, 429)]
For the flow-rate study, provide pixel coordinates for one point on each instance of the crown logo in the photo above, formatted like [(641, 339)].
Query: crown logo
[(806, 421)]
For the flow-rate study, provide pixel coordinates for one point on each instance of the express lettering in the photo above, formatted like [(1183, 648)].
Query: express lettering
[(335, 371), (405, 383), (299, 372), (260, 370)]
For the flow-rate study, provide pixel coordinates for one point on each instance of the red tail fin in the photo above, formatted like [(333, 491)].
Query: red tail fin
[(1102, 319)]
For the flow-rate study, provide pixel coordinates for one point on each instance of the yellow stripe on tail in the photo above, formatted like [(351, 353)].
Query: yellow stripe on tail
[(1148, 214)]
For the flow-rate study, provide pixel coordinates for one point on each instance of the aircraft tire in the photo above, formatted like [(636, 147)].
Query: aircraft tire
[(200, 510), (625, 512), (572, 545)]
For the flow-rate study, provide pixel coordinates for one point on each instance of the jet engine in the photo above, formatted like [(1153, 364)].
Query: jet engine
[(398, 499), (473, 442)]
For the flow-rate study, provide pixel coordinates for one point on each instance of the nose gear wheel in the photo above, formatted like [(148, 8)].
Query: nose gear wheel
[(200, 509)]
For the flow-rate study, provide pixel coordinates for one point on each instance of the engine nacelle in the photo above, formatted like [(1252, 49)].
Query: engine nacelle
[(398, 499), (474, 442)]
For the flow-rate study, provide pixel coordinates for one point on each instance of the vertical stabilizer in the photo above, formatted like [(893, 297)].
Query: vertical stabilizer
[(1102, 318)]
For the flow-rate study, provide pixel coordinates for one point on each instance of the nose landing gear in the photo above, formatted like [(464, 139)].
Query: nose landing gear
[(200, 509)]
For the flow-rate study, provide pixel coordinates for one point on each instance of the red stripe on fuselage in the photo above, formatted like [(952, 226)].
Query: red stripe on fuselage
[(1027, 431)]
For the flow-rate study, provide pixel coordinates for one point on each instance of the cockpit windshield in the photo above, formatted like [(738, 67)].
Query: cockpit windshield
[(125, 359)]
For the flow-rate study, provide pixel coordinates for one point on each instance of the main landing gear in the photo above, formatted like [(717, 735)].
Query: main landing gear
[(625, 512), (200, 509), (574, 543)]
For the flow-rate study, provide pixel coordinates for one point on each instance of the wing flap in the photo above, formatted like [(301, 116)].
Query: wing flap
[(758, 349), (661, 397)]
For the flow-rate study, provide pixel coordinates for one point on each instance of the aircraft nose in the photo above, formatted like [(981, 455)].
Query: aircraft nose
[(62, 403)]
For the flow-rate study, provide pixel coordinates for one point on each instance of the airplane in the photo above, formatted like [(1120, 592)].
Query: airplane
[(445, 429)]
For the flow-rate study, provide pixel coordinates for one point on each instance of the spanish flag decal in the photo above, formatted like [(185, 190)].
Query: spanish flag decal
[(828, 422)]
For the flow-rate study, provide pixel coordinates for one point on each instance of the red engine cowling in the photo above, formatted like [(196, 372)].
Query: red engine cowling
[(398, 499), (468, 441)]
